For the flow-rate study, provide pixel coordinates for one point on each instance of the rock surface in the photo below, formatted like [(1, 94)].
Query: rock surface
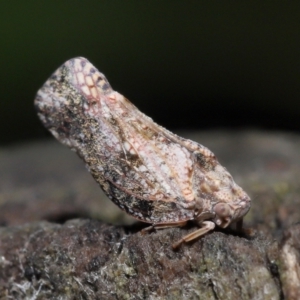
[(54, 246)]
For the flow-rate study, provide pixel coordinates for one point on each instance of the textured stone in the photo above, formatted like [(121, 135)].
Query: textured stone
[(86, 259), (289, 262)]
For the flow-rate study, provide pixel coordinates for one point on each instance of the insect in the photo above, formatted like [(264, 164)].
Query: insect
[(152, 174)]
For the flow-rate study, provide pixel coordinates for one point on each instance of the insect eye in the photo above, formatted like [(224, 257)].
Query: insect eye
[(222, 210), (223, 214)]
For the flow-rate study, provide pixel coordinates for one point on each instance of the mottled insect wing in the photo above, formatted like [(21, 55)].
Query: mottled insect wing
[(151, 173)]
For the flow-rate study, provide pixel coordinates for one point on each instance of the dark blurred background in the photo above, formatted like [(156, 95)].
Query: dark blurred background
[(187, 64)]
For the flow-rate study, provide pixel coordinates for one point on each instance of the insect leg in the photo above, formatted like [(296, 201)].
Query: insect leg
[(163, 226), (207, 226), (239, 225), (246, 231)]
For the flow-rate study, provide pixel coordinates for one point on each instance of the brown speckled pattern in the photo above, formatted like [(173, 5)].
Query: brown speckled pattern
[(151, 173)]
